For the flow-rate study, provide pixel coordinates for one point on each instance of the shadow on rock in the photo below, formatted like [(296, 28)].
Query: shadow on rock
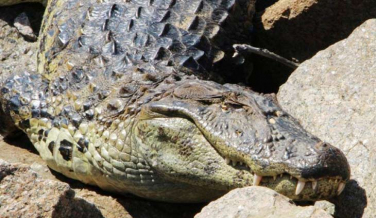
[(352, 202), (159, 209), (34, 12), (70, 206), (135, 206), (297, 30), (20, 140)]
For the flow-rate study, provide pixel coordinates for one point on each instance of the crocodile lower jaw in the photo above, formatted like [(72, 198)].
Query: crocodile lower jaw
[(300, 183)]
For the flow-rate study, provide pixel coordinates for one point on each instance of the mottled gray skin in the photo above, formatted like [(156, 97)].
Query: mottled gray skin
[(122, 100)]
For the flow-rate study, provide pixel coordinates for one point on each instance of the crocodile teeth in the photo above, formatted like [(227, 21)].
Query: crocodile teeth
[(233, 163), (256, 180), (299, 187), (314, 185), (227, 160), (341, 186), (274, 177)]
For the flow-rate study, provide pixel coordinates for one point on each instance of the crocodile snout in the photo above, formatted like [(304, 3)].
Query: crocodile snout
[(331, 163)]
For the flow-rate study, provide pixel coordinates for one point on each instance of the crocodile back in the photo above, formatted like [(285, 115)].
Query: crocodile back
[(193, 36)]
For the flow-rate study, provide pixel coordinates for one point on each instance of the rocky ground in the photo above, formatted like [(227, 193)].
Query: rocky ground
[(332, 93)]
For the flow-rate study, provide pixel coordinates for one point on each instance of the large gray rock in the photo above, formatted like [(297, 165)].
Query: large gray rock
[(334, 96), (258, 202)]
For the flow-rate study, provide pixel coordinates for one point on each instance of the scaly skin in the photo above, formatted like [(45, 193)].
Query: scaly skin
[(122, 100)]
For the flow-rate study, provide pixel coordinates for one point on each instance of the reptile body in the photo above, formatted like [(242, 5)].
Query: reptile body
[(123, 100)]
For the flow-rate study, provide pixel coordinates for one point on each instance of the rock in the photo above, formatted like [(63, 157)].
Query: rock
[(23, 25), (24, 194), (298, 29), (326, 205), (334, 96), (258, 202)]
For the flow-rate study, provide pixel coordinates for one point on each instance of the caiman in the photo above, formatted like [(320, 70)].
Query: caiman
[(125, 98)]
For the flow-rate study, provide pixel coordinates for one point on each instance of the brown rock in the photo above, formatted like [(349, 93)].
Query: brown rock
[(334, 96), (24, 194), (298, 29), (258, 202)]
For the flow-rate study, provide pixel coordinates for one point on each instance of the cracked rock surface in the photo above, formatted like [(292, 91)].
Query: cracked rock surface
[(25, 194), (334, 97), (258, 202)]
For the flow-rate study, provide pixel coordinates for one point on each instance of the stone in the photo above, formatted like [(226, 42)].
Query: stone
[(326, 205), (258, 202), (297, 30), (23, 26), (333, 95), (24, 194)]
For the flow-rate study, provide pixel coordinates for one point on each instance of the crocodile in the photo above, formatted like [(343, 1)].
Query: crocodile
[(128, 96)]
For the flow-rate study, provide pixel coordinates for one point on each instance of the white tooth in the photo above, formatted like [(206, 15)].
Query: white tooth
[(290, 177), (274, 177), (280, 175), (256, 179), (227, 160), (241, 163), (233, 163), (299, 187), (341, 187), (314, 185)]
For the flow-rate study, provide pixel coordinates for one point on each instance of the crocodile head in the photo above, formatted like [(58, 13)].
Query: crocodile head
[(214, 138)]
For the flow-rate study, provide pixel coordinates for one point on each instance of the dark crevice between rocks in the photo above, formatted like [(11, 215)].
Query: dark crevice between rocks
[(261, 5), (298, 39), (158, 209), (268, 75)]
